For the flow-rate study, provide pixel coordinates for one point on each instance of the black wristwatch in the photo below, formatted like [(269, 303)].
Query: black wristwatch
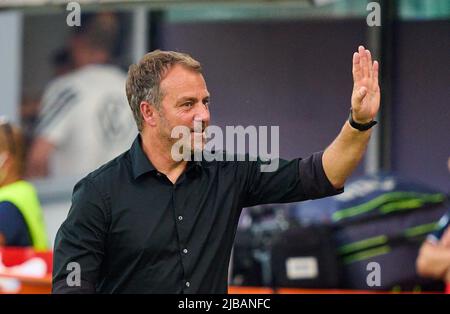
[(359, 126)]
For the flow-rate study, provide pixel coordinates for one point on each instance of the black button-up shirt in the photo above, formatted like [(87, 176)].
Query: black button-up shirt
[(132, 231)]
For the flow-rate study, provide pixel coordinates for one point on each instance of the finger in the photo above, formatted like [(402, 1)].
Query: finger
[(376, 73), (363, 57), (356, 69), (369, 63)]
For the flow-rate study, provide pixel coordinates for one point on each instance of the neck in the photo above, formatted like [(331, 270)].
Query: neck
[(159, 154), (9, 180), (91, 59), (87, 63)]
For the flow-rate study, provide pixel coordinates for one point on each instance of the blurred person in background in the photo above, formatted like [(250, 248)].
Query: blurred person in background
[(434, 255), (84, 119), (21, 220), (61, 62)]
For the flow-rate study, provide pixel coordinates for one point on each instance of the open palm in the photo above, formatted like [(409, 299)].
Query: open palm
[(366, 91)]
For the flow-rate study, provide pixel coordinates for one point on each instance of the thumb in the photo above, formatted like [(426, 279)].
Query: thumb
[(361, 93), (358, 95)]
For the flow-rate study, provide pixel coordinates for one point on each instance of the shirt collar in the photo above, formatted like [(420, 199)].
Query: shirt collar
[(139, 161), (141, 164)]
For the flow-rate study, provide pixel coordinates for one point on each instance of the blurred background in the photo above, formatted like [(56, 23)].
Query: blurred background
[(284, 63)]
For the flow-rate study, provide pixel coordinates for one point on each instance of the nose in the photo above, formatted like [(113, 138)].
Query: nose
[(202, 114)]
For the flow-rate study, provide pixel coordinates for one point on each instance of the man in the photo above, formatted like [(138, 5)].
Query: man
[(21, 220), (145, 223), (434, 255), (84, 120)]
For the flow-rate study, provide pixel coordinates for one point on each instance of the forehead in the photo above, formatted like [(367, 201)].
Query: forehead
[(181, 81)]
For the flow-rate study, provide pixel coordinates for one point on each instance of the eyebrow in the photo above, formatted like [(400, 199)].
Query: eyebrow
[(194, 99)]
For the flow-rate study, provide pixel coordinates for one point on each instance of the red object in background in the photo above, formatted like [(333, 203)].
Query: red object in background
[(12, 256)]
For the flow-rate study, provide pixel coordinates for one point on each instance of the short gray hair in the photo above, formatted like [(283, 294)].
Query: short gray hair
[(144, 78)]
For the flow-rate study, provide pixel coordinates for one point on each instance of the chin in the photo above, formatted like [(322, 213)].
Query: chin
[(198, 148)]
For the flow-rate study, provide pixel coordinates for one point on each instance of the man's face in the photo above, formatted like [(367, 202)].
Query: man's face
[(185, 100)]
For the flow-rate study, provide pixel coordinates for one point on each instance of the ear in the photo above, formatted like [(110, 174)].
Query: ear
[(149, 113)]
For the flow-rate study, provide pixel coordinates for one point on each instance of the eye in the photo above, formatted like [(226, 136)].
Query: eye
[(206, 102), (188, 104)]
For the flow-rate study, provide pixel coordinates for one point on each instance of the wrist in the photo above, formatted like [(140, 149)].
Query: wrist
[(361, 125), (362, 121)]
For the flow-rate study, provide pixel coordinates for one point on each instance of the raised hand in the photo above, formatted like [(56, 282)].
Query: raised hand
[(366, 91)]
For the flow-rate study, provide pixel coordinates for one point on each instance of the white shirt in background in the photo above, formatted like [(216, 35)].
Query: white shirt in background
[(85, 114)]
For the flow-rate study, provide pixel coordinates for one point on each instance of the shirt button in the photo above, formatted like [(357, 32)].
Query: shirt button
[(158, 174), (188, 284), (185, 251), (180, 218)]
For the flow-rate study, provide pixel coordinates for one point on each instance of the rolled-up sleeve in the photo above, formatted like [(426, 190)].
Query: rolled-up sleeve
[(295, 180), (79, 244), (314, 181)]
